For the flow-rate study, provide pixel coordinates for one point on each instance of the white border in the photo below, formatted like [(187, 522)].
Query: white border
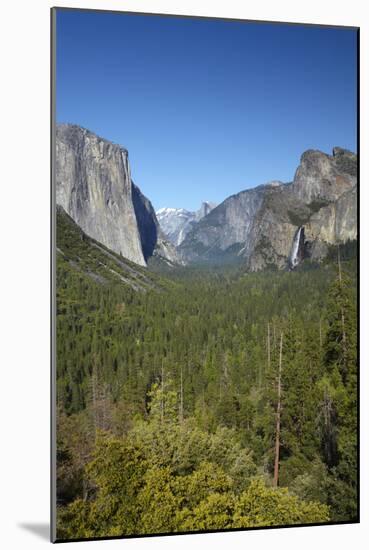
[(24, 272)]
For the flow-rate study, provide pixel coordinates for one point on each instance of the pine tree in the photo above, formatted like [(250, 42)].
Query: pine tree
[(340, 396)]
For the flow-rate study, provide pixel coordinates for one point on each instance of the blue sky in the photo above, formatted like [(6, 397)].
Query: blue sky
[(206, 108)]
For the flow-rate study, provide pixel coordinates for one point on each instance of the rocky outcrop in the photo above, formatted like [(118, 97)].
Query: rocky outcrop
[(258, 226), (94, 186), (323, 177), (176, 223)]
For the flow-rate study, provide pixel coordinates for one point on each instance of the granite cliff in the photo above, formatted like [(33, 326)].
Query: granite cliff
[(94, 186)]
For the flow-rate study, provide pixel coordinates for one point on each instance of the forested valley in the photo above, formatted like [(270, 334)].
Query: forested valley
[(210, 399)]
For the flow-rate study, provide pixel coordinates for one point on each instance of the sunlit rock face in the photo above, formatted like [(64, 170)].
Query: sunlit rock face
[(324, 177), (94, 186)]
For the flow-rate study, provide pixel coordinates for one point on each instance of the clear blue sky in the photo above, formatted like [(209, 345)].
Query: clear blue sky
[(206, 108)]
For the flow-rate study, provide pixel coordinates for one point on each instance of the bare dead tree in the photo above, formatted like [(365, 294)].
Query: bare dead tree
[(343, 325), (162, 392), (181, 398), (278, 416)]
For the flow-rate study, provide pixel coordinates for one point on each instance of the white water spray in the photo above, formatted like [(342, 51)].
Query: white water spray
[(294, 258)]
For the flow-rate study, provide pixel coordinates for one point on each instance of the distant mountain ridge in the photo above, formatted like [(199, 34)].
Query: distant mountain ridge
[(176, 223)]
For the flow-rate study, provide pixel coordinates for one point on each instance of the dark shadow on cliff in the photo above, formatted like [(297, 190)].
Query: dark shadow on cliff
[(146, 221)]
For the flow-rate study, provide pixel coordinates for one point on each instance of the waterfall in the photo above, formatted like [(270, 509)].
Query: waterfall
[(296, 251)]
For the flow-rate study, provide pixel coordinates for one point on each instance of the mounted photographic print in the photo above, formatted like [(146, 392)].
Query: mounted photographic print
[(204, 262)]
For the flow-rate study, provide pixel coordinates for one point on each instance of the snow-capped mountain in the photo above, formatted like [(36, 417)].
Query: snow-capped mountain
[(177, 222)]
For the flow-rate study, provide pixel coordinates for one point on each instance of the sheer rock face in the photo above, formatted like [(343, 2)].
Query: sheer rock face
[(94, 186), (146, 220), (259, 225), (227, 225), (153, 240)]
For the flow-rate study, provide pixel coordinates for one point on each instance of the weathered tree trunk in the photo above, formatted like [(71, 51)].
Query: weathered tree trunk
[(162, 393), (94, 398), (344, 337), (278, 419), (181, 398), (268, 356)]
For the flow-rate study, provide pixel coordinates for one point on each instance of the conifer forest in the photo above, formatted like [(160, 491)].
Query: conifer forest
[(203, 398)]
